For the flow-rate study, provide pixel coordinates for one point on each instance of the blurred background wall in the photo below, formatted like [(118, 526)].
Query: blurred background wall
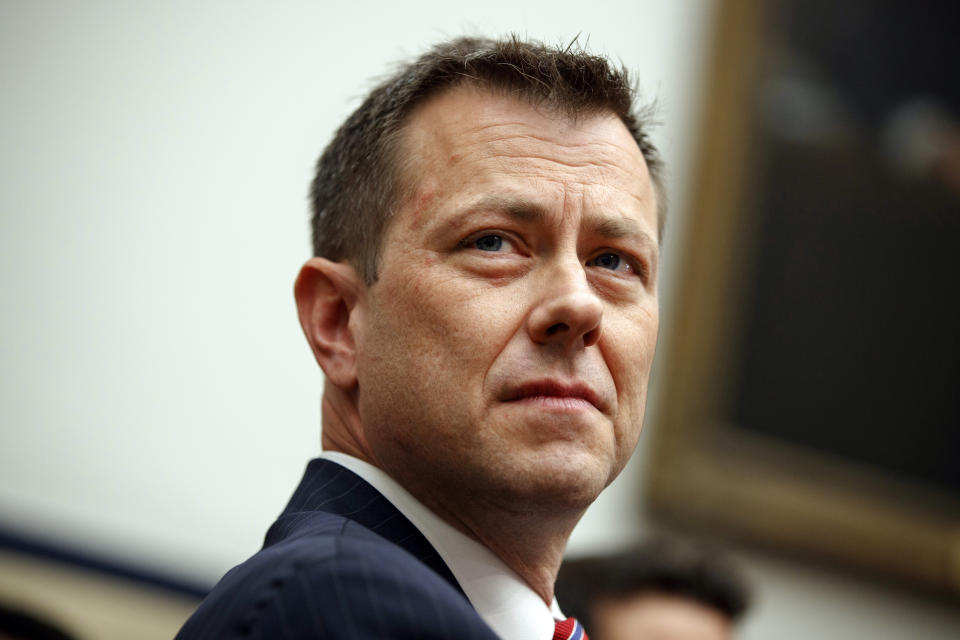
[(157, 400)]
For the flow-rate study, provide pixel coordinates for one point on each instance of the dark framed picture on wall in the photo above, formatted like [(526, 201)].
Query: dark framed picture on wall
[(810, 400)]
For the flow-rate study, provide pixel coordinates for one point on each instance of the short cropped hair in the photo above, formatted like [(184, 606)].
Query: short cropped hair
[(660, 566), (360, 179)]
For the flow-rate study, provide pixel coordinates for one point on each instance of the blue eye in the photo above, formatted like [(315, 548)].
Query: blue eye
[(489, 243), (607, 261)]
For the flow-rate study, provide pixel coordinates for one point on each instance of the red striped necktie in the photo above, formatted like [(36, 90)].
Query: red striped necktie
[(569, 629)]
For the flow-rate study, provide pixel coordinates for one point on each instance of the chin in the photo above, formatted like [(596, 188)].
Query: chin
[(561, 481)]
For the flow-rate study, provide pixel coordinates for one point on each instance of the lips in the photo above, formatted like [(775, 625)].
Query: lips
[(556, 392)]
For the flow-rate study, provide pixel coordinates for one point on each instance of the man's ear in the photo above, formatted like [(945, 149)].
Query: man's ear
[(327, 294)]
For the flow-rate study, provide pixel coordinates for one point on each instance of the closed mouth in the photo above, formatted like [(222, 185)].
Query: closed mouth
[(556, 394)]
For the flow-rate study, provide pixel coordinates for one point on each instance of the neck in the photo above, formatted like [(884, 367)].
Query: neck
[(529, 541), (341, 429)]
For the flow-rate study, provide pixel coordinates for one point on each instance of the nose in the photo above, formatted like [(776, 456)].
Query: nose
[(569, 313)]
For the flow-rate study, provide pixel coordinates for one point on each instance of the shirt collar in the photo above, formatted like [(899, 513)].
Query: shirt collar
[(501, 597)]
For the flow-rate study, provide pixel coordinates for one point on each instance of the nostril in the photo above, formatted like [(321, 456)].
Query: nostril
[(591, 337), (557, 328)]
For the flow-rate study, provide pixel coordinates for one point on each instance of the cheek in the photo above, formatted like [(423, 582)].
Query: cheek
[(464, 317), (629, 352)]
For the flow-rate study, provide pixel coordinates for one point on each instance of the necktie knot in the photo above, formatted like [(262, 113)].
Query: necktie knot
[(569, 629)]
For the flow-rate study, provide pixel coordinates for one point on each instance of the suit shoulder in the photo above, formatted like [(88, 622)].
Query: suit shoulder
[(334, 579)]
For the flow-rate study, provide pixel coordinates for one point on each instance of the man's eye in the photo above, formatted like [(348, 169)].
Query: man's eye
[(489, 243), (610, 261)]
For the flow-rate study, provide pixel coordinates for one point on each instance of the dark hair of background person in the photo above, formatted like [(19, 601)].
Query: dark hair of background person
[(663, 567), (18, 624), (363, 177)]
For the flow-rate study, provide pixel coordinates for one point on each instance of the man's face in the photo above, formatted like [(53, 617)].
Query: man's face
[(504, 351)]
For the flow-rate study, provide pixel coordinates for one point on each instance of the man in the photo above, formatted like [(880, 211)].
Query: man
[(662, 590), (483, 305)]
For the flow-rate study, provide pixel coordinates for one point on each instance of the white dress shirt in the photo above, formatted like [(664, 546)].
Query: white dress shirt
[(501, 597)]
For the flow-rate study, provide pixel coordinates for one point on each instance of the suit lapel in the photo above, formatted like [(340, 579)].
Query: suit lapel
[(328, 487)]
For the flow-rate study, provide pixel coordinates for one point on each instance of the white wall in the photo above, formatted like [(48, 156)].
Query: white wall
[(157, 401)]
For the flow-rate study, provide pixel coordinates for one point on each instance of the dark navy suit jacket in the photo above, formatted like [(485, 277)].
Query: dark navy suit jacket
[(340, 562)]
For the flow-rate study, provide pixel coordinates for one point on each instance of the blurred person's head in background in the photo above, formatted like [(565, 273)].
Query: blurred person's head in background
[(17, 623), (662, 589)]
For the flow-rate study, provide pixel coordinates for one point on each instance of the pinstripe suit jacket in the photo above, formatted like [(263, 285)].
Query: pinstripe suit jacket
[(340, 562)]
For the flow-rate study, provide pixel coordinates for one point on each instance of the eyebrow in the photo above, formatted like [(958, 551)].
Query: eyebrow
[(520, 209), (617, 228)]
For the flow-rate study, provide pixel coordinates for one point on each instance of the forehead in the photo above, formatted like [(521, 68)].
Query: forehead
[(469, 140)]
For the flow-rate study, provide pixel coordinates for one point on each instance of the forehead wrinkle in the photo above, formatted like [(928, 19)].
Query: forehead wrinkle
[(602, 167), (479, 128), (598, 153)]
